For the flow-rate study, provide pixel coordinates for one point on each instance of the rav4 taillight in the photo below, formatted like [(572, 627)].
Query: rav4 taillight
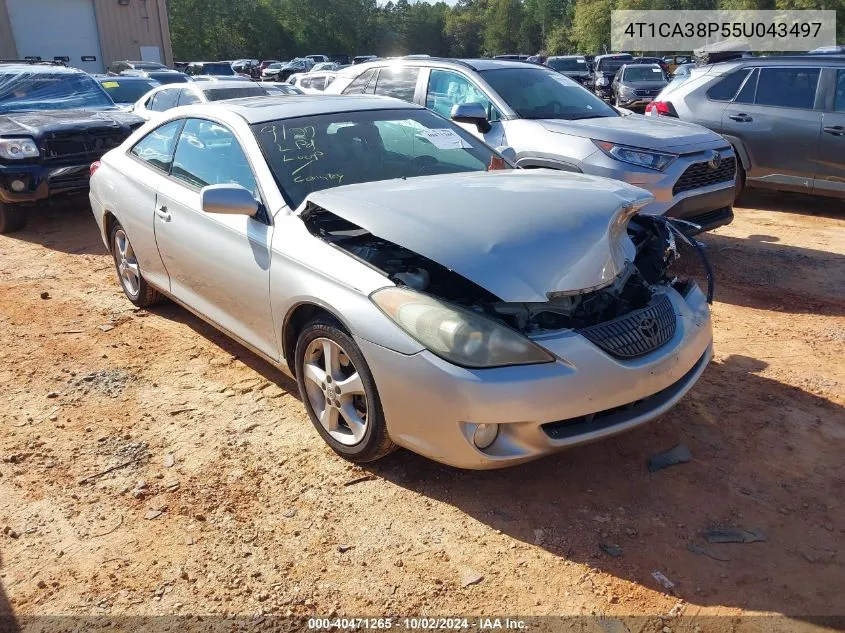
[(661, 108), (94, 167)]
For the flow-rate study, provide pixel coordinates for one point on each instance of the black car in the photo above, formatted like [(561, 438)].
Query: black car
[(606, 67), (163, 76), (220, 69), (573, 66), (126, 90), (54, 122), (636, 85)]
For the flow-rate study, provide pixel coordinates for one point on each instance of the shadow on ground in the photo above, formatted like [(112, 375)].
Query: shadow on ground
[(792, 203), (572, 503), (8, 622), (67, 226)]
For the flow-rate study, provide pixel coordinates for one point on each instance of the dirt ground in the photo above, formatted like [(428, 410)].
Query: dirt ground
[(225, 500)]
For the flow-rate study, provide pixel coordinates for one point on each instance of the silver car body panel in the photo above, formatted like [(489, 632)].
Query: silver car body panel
[(519, 238), (248, 278)]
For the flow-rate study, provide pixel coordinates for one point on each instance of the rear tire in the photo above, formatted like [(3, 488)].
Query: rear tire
[(12, 218), (339, 392), (132, 281)]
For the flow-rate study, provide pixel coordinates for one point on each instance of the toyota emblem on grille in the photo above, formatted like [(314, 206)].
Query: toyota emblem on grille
[(649, 328), (715, 160)]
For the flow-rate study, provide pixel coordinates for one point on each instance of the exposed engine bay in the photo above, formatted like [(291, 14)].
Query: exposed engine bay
[(654, 237)]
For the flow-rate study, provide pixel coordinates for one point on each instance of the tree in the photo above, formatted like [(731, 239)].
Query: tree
[(502, 30)]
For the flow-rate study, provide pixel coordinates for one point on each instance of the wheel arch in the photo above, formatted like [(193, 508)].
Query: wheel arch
[(296, 319)]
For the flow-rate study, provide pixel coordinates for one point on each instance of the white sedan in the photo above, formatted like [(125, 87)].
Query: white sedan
[(169, 96), (422, 292)]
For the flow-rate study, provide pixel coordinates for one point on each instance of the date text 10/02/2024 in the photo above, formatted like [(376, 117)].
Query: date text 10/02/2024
[(417, 624)]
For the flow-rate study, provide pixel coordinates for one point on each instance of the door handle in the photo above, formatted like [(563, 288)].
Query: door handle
[(836, 130), (163, 213), (742, 118)]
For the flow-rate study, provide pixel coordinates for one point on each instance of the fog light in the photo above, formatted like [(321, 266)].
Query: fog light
[(485, 435), (18, 186)]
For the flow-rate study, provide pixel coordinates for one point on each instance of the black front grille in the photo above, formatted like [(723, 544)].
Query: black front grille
[(88, 145), (705, 173), (636, 333), (647, 92)]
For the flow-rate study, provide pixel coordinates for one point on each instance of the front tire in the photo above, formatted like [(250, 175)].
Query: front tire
[(12, 218), (740, 179), (134, 286), (339, 393)]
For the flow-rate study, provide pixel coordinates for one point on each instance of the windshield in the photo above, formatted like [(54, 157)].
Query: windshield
[(147, 66), (123, 91), (217, 69), (644, 73), (568, 64), (27, 91), (313, 153), (274, 66), (544, 94), (233, 92), (611, 65)]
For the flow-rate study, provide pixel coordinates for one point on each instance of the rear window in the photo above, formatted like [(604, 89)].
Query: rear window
[(147, 66), (221, 94), (28, 91), (122, 91), (568, 64), (169, 78), (612, 65), (217, 69), (726, 88)]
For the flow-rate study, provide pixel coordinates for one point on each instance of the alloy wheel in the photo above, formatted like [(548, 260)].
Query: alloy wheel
[(127, 264), (335, 391)]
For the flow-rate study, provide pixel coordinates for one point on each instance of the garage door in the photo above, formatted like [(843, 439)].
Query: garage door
[(57, 28)]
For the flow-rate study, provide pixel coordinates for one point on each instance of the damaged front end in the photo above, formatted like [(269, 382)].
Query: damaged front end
[(634, 300)]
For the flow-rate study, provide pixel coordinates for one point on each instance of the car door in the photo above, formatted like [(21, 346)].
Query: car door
[(153, 155), (776, 109), (218, 265), (447, 88), (830, 170)]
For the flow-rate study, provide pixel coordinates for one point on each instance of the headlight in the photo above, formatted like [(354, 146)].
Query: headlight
[(637, 156), (601, 81), (626, 90), (18, 148), (455, 334)]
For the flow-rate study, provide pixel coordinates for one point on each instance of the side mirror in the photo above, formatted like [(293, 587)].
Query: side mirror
[(508, 152), (230, 199), (472, 112)]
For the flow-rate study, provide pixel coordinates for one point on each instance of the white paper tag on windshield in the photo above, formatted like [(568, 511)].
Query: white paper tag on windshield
[(656, 70), (444, 139)]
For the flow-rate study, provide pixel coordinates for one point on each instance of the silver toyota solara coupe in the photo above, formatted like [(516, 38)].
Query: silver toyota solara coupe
[(422, 292)]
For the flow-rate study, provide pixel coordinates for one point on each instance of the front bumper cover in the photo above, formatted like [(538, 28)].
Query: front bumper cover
[(432, 406), (42, 181)]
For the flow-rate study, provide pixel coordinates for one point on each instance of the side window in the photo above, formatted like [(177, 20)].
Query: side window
[(746, 94), (165, 99), (304, 82), (209, 154), (727, 87), (787, 87), (187, 97), (359, 85), (318, 83), (156, 148), (399, 82), (447, 88), (839, 95)]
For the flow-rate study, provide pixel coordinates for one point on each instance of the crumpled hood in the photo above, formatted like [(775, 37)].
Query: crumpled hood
[(520, 234), (637, 131), (37, 123)]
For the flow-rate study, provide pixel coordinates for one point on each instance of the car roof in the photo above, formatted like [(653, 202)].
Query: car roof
[(272, 108), (777, 60), (435, 62), (24, 67)]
